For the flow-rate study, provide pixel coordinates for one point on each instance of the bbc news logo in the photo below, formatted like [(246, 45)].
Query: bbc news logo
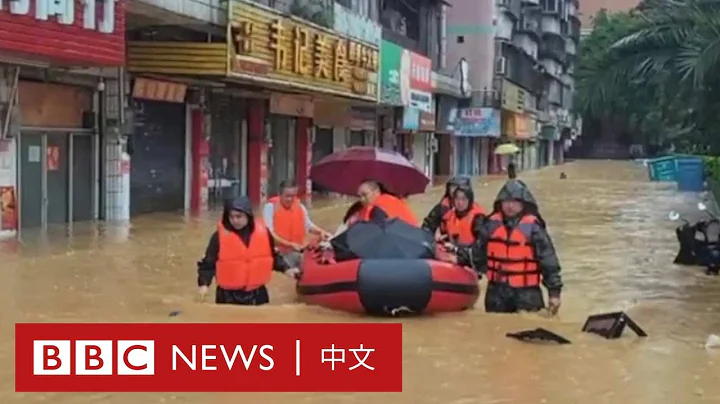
[(208, 357), (98, 358)]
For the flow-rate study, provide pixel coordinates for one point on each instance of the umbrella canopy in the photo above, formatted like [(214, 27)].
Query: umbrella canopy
[(344, 171), (507, 148), (393, 239)]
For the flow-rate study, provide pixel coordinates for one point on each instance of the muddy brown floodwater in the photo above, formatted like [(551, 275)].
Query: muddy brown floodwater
[(615, 243)]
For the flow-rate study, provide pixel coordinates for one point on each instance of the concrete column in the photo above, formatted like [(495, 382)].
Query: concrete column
[(257, 152)]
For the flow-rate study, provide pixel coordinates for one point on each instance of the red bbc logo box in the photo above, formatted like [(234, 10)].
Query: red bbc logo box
[(208, 357), (99, 357)]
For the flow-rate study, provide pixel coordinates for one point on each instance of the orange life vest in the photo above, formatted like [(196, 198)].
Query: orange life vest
[(288, 224), (461, 228), (510, 257), (240, 266), (393, 208)]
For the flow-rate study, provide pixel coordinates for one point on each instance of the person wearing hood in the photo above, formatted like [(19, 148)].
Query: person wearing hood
[(518, 254), (241, 256), (458, 226), (434, 218)]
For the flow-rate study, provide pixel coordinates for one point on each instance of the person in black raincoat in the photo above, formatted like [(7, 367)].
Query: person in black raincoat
[(432, 221), (458, 227), (518, 254), (237, 220)]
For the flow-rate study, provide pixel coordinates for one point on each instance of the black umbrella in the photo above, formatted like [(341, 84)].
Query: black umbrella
[(390, 239)]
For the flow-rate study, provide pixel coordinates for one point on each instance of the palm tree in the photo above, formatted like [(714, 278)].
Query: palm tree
[(662, 72)]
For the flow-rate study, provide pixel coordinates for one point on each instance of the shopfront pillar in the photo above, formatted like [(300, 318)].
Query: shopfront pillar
[(257, 152), (304, 156)]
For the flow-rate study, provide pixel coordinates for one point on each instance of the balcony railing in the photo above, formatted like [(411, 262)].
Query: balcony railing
[(554, 48), (550, 25), (570, 47), (529, 26), (486, 98), (510, 7)]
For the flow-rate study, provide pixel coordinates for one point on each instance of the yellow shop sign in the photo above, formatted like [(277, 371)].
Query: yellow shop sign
[(265, 44)]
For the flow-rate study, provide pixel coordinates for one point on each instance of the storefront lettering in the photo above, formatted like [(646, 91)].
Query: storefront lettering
[(306, 52), (421, 73), (64, 12)]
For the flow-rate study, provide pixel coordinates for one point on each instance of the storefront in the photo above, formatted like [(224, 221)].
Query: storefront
[(516, 128), (228, 159), (282, 82), (443, 152), (362, 129), (405, 79), (288, 126), (548, 136), (52, 127), (158, 147), (474, 125)]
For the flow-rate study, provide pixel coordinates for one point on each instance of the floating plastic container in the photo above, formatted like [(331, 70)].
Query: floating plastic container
[(690, 174), (662, 168)]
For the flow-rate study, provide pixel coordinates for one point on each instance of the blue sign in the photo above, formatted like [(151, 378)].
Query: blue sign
[(411, 118), (477, 122)]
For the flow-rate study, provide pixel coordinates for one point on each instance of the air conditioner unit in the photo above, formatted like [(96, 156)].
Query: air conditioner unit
[(501, 65)]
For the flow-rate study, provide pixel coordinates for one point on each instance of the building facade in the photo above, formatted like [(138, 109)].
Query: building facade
[(268, 89), (59, 105), (527, 51)]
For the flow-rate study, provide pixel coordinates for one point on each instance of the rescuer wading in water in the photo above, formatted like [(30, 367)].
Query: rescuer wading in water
[(518, 254), (241, 256), (434, 217)]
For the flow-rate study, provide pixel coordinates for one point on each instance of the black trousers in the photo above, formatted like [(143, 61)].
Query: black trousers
[(502, 298), (255, 297)]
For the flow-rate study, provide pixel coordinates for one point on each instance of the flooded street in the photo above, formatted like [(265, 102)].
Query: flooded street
[(614, 241)]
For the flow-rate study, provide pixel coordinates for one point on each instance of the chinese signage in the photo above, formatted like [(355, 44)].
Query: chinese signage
[(264, 44), (405, 78), (156, 90), (513, 97), (97, 27), (478, 122), (356, 26)]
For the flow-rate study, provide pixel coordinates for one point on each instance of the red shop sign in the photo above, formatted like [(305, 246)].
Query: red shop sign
[(66, 32), (420, 73)]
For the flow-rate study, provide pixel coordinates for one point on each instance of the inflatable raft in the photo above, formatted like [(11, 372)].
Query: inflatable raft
[(388, 287)]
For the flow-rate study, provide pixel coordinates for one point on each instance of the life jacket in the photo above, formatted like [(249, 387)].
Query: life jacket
[(460, 229), (510, 257), (288, 224), (240, 266), (393, 208)]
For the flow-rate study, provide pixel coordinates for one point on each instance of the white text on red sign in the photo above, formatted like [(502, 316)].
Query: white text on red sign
[(64, 12)]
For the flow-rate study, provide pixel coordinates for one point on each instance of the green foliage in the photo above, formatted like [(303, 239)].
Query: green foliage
[(655, 70)]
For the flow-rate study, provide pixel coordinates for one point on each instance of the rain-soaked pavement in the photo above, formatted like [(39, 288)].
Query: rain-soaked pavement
[(614, 240)]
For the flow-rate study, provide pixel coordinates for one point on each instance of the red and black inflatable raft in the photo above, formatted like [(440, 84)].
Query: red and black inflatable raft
[(386, 287)]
